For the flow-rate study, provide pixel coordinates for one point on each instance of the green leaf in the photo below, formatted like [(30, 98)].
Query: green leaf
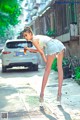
[(10, 11)]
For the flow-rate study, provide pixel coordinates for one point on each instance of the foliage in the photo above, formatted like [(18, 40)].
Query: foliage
[(77, 75), (9, 12), (67, 71), (54, 65), (50, 32), (65, 62)]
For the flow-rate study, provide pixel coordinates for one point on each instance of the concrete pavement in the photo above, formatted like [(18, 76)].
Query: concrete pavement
[(19, 100), (21, 103)]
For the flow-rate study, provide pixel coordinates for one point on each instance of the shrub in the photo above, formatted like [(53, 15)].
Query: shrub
[(54, 65), (77, 75), (65, 62)]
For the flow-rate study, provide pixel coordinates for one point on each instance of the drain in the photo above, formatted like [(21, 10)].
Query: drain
[(4, 116), (7, 115)]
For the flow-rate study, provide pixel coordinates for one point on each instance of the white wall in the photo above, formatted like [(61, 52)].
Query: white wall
[(64, 37)]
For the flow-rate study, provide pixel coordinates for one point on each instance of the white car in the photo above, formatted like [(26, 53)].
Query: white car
[(13, 55)]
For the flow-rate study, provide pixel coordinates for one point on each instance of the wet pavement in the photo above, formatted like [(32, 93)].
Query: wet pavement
[(19, 98)]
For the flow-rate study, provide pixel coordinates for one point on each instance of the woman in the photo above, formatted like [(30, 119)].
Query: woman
[(54, 48)]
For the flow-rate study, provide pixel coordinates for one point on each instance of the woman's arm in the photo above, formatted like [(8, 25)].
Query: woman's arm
[(31, 50)]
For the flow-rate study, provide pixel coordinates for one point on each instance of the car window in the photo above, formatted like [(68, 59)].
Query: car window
[(19, 44)]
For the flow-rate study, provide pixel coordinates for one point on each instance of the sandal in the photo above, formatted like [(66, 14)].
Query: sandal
[(59, 99), (41, 99)]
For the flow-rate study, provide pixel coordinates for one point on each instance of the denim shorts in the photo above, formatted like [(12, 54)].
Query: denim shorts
[(54, 46)]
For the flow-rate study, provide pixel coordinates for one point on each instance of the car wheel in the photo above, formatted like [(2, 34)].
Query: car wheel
[(35, 67), (3, 69)]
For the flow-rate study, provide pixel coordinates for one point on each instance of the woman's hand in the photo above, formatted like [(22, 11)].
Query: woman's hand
[(27, 48), (31, 50)]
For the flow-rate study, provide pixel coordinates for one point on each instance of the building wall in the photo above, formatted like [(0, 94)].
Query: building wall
[(78, 17), (42, 23), (72, 48)]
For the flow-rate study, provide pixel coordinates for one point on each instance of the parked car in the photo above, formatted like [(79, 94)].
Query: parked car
[(13, 55)]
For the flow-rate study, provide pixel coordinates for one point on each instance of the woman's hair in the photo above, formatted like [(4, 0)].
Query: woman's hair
[(27, 29)]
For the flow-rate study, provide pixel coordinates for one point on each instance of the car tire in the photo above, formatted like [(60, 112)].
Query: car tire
[(3, 69), (33, 67)]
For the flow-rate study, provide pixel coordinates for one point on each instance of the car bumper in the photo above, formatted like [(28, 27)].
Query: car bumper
[(25, 64)]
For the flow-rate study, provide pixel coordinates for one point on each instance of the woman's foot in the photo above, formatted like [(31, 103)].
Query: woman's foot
[(41, 99), (59, 99)]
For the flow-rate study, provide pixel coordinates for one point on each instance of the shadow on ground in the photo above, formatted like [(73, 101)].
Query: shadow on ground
[(66, 115), (50, 117)]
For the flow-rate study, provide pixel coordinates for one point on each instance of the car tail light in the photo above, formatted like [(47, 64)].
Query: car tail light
[(6, 52)]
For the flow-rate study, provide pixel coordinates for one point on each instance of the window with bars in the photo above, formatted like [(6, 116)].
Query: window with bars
[(73, 12), (60, 19), (65, 14)]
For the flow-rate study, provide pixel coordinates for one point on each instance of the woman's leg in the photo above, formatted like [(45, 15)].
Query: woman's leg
[(60, 72), (50, 59)]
